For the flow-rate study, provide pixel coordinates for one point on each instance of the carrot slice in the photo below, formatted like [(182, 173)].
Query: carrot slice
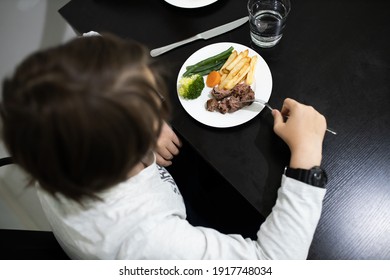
[(213, 79)]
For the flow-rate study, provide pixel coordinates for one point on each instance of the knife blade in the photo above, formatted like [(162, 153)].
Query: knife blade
[(204, 35)]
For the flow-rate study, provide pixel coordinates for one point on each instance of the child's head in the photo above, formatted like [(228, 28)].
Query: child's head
[(78, 117)]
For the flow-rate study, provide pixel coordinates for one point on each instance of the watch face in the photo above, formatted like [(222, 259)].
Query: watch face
[(318, 177)]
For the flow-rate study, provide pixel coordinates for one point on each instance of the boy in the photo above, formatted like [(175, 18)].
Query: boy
[(87, 121)]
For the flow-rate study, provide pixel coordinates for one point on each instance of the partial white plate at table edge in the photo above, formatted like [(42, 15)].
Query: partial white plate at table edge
[(262, 87), (190, 3)]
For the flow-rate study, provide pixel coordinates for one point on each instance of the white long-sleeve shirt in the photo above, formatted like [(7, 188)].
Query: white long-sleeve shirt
[(145, 218)]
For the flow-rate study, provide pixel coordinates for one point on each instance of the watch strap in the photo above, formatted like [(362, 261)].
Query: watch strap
[(315, 176), (297, 173)]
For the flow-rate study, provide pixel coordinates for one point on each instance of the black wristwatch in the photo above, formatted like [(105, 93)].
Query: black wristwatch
[(315, 176)]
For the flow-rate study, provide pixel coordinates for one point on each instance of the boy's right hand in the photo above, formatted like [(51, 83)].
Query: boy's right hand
[(303, 132)]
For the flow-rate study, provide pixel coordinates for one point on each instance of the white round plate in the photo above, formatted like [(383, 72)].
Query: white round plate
[(262, 87), (190, 3)]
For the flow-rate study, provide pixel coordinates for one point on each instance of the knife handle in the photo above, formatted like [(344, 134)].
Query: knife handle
[(158, 51)]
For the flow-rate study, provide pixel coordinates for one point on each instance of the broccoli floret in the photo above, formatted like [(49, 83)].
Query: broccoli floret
[(191, 87)]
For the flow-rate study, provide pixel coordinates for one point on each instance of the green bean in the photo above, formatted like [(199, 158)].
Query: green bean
[(200, 68), (213, 68), (204, 68), (211, 60), (208, 61)]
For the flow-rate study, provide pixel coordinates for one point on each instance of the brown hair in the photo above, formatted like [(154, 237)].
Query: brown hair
[(78, 117)]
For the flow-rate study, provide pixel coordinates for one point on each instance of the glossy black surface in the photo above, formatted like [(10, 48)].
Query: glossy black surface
[(29, 245), (335, 56)]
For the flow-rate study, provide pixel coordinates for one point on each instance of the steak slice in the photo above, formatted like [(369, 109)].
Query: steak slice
[(220, 94), (229, 101), (212, 105)]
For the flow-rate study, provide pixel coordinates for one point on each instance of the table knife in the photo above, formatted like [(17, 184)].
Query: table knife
[(204, 35)]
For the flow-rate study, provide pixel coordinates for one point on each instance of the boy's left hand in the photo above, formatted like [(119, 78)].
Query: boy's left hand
[(168, 145)]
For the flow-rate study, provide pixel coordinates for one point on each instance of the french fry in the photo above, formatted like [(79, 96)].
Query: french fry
[(249, 76), (238, 68), (223, 82), (243, 71), (234, 71), (223, 77), (239, 76), (232, 56), (237, 59)]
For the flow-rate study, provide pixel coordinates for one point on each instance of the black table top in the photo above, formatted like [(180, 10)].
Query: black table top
[(335, 56)]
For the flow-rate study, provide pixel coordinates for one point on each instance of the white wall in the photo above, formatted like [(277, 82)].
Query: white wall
[(25, 26)]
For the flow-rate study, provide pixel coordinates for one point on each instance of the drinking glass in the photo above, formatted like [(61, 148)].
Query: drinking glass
[(267, 20)]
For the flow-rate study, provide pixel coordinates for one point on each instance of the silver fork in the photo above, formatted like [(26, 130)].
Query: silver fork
[(261, 102), (266, 104)]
